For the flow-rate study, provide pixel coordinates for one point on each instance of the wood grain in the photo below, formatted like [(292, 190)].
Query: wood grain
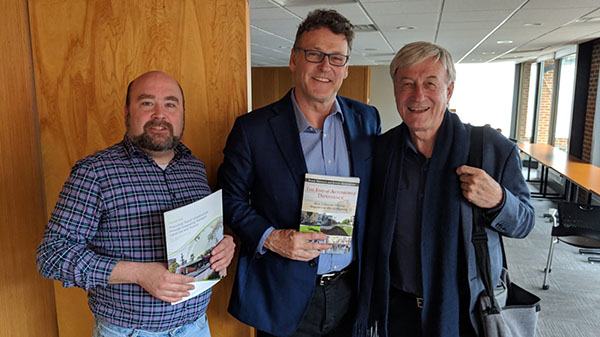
[(270, 84), (26, 299), (85, 54)]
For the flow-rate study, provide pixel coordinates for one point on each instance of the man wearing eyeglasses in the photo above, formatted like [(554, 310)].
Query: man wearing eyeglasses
[(284, 285)]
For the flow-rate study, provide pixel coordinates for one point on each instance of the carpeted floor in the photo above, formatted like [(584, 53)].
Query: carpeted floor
[(571, 307)]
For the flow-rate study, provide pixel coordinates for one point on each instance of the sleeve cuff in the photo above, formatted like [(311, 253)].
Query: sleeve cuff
[(260, 249), (491, 213)]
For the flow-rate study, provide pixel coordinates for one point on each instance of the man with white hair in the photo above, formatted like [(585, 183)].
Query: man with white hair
[(419, 274)]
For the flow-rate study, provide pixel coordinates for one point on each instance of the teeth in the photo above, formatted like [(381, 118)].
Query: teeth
[(321, 79), (417, 109)]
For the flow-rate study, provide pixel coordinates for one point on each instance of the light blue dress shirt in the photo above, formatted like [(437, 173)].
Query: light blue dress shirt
[(325, 152)]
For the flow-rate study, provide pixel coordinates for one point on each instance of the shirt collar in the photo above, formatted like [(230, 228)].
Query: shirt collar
[(301, 121), (409, 143)]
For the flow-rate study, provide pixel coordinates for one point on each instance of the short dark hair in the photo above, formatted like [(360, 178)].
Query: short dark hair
[(128, 100), (326, 18)]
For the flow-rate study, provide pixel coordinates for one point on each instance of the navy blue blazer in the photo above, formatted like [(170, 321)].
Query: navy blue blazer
[(262, 177)]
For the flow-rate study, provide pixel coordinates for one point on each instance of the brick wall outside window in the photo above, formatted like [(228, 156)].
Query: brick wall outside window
[(591, 103), (523, 101), (543, 124)]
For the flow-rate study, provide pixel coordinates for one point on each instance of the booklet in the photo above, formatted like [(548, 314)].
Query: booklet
[(329, 206), (192, 231)]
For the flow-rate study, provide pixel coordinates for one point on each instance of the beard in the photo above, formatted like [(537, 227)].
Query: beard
[(157, 144)]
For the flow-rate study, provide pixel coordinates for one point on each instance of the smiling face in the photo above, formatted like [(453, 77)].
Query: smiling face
[(422, 94), (318, 82), (154, 116)]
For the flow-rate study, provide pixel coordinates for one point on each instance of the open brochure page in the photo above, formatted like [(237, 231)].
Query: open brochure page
[(192, 231), (329, 206)]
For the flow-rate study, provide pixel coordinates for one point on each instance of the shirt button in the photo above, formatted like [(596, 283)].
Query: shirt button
[(329, 161), (324, 135)]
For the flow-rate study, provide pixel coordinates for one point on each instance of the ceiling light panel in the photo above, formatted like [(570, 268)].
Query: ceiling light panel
[(402, 7), (474, 5), (388, 23)]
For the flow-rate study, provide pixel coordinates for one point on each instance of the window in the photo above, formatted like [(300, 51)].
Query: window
[(566, 86)]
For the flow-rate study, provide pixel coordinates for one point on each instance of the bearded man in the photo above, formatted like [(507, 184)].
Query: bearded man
[(106, 233)]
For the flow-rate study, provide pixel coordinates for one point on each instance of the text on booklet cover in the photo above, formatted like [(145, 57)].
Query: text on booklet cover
[(329, 207)]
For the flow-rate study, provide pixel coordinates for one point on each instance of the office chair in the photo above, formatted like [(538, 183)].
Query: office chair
[(577, 225)]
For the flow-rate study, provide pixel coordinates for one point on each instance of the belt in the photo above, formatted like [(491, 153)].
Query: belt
[(329, 278)]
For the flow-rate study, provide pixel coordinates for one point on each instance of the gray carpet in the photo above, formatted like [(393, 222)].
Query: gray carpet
[(571, 307)]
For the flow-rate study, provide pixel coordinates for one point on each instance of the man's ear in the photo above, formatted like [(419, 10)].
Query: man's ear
[(450, 91), (293, 60)]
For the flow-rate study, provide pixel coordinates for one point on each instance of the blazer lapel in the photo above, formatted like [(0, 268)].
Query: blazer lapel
[(356, 150), (285, 130)]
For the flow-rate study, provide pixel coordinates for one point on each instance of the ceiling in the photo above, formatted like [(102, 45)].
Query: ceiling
[(474, 31)]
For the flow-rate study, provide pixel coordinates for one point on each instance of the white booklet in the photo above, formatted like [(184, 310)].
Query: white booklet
[(329, 206), (192, 231)]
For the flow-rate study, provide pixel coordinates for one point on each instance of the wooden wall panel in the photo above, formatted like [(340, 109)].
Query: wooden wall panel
[(269, 84), (86, 52), (26, 299)]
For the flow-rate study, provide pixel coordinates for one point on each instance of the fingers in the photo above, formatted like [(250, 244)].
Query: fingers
[(182, 280), (224, 245), (478, 187), (171, 296), (465, 169), (294, 245), (222, 254)]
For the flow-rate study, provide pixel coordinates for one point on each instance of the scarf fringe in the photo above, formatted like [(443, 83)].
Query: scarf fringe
[(363, 330)]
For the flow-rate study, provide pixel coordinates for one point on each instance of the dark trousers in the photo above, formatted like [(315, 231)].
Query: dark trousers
[(330, 312), (404, 316)]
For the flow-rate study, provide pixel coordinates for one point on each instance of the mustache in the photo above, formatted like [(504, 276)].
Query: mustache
[(155, 123)]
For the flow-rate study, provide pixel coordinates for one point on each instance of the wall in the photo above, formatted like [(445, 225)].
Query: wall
[(591, 103), (382, 97), (26, 300), (269, 84), (84, 54)]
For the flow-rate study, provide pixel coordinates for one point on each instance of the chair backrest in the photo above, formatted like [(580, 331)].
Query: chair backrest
[(578, 220)]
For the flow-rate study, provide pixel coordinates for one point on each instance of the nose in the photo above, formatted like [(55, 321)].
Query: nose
[(419, 92), (158, 112), (324, 65)]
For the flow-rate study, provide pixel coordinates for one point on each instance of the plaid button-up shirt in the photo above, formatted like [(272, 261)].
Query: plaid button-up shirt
[(110, 209)]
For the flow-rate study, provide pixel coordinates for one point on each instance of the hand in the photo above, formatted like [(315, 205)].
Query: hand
[(222, 255), (160, 283), (294, 245), (479, 188)]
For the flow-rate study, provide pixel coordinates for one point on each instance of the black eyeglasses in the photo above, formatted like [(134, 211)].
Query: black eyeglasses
[(316, 56)]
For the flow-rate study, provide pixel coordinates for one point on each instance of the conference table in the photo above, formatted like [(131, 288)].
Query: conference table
[(584, 175)]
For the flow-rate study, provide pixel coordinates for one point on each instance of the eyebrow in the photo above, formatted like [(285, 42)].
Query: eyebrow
[(168, 98), (172, 98), (145, 96), (412, 79)]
